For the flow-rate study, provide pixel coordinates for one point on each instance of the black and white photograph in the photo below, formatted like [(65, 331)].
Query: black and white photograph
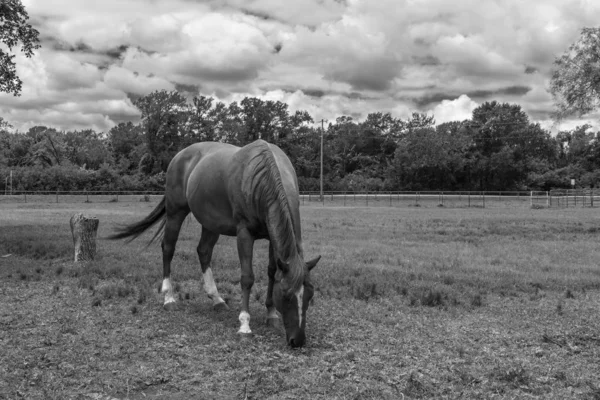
[(309, 199)]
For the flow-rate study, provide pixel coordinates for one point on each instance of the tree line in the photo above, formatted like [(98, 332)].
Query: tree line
[(498, 148)]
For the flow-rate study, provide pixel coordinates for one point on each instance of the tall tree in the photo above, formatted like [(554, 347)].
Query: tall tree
[(47, 148), (164, 119), (575, 83), (268, 120), (126, 142), (14, 29), (86, 149)]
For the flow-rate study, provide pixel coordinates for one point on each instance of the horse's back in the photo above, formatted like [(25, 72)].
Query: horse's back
[(196, 179), (208, 179)]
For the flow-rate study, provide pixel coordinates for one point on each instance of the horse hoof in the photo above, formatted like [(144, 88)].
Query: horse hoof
[(172, 306), (274, 323), (219, 307)]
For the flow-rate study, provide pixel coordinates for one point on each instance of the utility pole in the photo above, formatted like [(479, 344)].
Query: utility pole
[(322, 129)]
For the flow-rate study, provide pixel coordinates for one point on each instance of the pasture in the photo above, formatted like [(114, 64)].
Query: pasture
[(411, 302)]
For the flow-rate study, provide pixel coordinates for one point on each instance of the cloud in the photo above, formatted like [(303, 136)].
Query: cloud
[(310, 13), (330, 57), (454, 110), (208, 47), (123, 79)]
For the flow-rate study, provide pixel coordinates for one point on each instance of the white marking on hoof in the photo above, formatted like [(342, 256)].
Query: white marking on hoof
[(169, 298), (167, 289), (245, 321), (211, 288), (299, 297)]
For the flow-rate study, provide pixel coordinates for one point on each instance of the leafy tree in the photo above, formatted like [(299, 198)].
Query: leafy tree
[(86, 149), (430, 158), (127, 145), (14, 29), (268, 120), (204, 118), (164, 118), (575, 82), (48, 147)]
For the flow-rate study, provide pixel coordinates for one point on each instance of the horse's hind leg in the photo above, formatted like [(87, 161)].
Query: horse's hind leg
[(208, 239), (172, 228)]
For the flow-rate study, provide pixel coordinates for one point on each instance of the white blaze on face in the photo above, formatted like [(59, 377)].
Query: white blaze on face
[(211, 288), (167, 289), (245, 322), (299, 297)]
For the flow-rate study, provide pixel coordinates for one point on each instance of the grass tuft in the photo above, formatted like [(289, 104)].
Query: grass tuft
[(517, 376), (477, 300)]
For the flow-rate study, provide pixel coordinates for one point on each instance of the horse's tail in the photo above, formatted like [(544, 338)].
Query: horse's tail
[(134, 230)]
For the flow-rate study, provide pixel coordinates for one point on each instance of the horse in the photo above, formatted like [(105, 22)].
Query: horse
[(250, 192)]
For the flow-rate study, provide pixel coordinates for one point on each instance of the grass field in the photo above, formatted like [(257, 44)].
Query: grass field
[(410, 303)]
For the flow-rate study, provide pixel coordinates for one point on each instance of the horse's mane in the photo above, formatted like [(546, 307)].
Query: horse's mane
[(263, 184)]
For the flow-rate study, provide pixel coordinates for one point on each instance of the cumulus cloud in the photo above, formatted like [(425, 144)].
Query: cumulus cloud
[(120, 78), (454, 110)]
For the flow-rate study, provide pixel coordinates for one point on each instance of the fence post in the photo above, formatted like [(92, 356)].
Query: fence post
[(531, 198), (483, 198), (469, 197), (592, 198), (547, 199), (367, 197), (344, 198)]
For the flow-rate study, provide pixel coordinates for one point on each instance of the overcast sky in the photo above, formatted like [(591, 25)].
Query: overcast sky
[(329, 57)]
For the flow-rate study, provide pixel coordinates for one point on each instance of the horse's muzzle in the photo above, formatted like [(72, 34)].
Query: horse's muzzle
[(297, 339)]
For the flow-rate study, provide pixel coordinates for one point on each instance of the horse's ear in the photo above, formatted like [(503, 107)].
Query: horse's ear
[(283, 266), (312, 263)]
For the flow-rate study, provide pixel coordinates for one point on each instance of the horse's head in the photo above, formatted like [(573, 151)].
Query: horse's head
[(292, 304)]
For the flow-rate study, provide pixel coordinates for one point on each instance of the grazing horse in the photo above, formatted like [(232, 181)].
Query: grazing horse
[(250, 192)]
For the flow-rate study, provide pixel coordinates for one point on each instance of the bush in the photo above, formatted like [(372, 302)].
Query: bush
[(73, 178)]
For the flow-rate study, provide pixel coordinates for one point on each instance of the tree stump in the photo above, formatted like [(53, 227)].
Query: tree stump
[(84, 230)]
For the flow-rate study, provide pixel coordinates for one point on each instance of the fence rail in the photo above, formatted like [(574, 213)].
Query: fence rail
[(479, 199)]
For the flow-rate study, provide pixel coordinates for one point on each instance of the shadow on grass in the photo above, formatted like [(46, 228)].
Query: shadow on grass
[(46, 242)]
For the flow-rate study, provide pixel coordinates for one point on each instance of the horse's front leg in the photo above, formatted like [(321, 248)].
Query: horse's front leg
[(272, 317), (245, 245)]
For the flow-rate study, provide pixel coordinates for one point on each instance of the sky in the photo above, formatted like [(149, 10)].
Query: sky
[(328, 57)]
